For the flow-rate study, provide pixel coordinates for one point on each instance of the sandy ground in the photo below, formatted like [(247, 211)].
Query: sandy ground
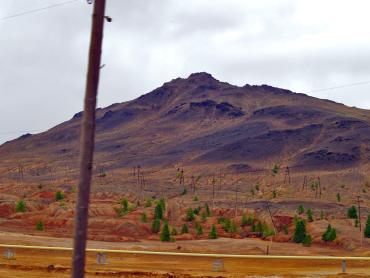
[(221, 245), (34, 263)]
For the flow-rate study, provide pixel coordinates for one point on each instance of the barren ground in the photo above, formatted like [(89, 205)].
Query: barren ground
[(34, 263)]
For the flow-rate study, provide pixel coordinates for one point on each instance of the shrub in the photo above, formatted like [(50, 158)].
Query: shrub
[(296, 219), (274, 194), (285, 229), (321, 215), (174, 231), (59, 196), (198, 229), (232, 228), (156, 225), (244, 221), (225, 222), (275, 169), (39, 225), (195, 199), (203, 217), (20, 206), (357, 222), (257, 227), (190, 216), (247, 220), (213, 232), (352, 212), (124, 205), (367, 227), (339, 198), (196, 211), (330, 234), (266, 231), (165, 234), (300, 231), (124, 208), (208, 211), (162, 203), (148, 203), (228, 225), (307, 241), (185, 229), (252, 192), (144, 217), (158, 211), (220, 220), (257, 187), (309, 215), (300, 209)]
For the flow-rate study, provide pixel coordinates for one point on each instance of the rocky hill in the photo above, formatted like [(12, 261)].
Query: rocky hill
[(200, 120), (225, 139)]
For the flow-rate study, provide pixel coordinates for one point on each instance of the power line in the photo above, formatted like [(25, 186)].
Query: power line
[(338, 87), (38, 10)]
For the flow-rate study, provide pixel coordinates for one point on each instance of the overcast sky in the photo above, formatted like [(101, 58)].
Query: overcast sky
[(293, 44)]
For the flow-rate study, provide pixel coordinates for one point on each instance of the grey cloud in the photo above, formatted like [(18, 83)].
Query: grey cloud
[(43, 56)]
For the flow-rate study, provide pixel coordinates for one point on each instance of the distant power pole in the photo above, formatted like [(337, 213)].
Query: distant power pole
[(236, 199), (220, 181), (359, 211), (87, 140), (359, 217), (20, 171), (287, 176), (213, 191), (138, 175), (272, 219), (305, 183)]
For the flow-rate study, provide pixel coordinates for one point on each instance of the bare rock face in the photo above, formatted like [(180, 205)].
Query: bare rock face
[(50, 195), (282, 220), (185, 237), (102, 210), (133, 229), (6, 209)]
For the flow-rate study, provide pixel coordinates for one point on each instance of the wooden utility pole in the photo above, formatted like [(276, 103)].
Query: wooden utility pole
[(287, 176), (236, 198), (138, 175), (359, 218), (272, 219), (213, 191), (305, 183), (219, 181), (20, 171), (359, 211), (87, 141), (182, 180), (142, 185)]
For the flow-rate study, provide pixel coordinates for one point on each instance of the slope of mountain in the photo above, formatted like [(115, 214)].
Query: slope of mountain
[(200, 120)]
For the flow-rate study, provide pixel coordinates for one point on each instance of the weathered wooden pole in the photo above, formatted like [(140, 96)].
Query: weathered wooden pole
[(87, 141)]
